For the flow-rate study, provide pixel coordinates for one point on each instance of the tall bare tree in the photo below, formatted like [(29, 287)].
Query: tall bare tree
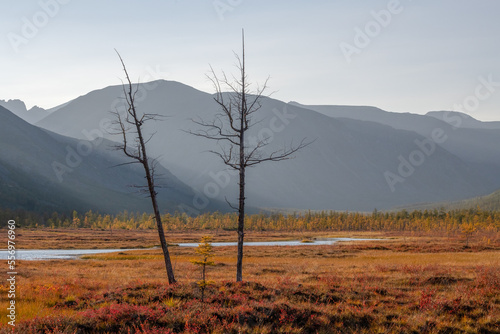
[(130, 127), (229, 127)]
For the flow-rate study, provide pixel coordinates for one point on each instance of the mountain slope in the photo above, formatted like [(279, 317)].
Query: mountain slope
[(474, 142), (44, 171), (345, 168), (489, 202)]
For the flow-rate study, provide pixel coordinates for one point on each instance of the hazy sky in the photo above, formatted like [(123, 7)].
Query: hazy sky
[(406, 56)]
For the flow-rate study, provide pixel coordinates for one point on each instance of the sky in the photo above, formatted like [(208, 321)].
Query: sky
[(398, 55)]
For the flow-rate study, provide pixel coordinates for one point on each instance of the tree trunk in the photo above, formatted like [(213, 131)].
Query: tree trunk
[(164, 247), (152, 194), (241, 212), (241, 204), (161, 233), (241, 227)]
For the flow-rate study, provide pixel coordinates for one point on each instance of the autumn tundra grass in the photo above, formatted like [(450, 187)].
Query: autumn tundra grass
[(401, 284)]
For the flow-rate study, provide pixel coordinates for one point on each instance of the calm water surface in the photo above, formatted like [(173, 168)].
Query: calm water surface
[(328, 241), (71, 254), (56, 254)]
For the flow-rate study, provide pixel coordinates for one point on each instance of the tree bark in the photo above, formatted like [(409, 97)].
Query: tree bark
[(242, 165), (241, 209), (163, 243)]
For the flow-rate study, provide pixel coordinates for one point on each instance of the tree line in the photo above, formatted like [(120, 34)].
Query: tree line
[(401, 221)]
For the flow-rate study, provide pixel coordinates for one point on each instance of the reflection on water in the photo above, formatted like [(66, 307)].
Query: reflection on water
[(329, 241), (71, 254), (55, 254)]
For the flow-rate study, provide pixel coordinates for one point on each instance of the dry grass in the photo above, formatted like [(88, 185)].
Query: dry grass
[(401, 285)]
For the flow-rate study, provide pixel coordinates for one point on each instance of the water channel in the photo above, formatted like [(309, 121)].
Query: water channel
[(70, 254)]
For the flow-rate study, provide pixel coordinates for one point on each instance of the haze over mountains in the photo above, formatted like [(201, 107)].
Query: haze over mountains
[(474, 142), (44, 171), (361, 158)]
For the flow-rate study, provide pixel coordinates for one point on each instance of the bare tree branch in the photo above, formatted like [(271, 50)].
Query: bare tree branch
[(230, 205), (280, 155)]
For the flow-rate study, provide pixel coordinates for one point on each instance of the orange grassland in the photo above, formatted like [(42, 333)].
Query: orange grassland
[(400, 284)]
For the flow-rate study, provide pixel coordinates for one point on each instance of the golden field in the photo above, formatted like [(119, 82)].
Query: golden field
[(403, 283)]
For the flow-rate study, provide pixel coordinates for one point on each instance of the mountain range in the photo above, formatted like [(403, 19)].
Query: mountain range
[(360, 158), (45, 172), (475, 143)]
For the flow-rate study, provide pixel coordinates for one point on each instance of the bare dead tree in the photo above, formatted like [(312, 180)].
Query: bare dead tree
[(130, 127), (229, 128)]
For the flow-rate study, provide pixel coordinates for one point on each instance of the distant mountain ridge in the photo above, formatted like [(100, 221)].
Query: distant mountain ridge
[(466, 121), (350, 165), (18, 107), (474, 142)]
